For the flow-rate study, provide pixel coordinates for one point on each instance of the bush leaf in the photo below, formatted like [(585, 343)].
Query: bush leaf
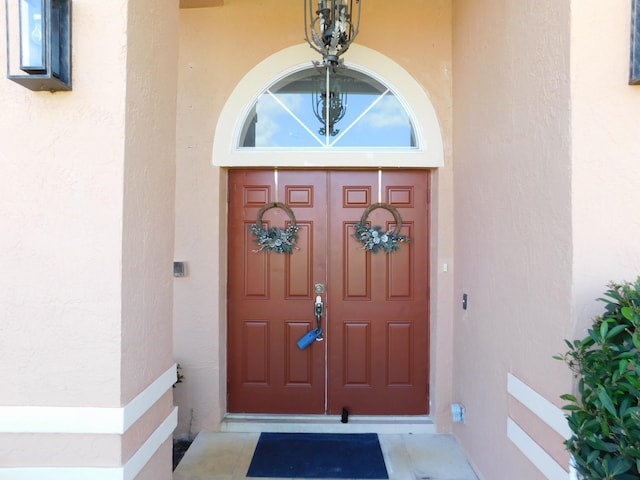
[(606, 401), (603, 412), (627, 312)]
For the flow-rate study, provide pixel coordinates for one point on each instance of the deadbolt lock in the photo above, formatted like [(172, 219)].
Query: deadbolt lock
[(318, 288)]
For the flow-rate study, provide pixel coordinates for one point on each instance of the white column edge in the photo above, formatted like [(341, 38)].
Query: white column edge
[(61, 473)]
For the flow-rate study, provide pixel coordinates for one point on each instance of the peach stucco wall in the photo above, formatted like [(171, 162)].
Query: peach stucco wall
[(513, 220), (539, 131), (61, 205), (86, 221), (218, 46), (87, 211), (546, 172), (149, 192), (606, 154)]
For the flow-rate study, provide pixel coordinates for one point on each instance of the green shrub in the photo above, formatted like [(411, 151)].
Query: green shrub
[(605, 415)]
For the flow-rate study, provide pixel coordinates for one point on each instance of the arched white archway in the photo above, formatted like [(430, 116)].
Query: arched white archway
[(430, 153)]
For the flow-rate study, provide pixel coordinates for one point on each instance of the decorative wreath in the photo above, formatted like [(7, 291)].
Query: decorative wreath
[(275, 239), (373, 238)]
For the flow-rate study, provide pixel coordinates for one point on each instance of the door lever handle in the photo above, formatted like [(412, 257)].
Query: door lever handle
[(319, 306), (319, 309), (315, 334)]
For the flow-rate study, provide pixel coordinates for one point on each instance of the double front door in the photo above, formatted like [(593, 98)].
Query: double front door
[(374, 358)]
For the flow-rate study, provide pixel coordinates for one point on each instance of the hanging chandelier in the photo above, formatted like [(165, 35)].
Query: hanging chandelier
[(331, 27)]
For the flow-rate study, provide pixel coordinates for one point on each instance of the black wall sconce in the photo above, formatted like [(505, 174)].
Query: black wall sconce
[(634, 69), (39, 43)]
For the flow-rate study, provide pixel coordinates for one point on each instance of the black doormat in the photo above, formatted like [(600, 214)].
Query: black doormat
[(318, 455)]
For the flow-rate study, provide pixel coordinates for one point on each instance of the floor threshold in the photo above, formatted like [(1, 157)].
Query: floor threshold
[(255, 423)]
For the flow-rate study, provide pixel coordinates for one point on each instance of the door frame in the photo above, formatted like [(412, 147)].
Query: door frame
[(441, 242), (440, 291)]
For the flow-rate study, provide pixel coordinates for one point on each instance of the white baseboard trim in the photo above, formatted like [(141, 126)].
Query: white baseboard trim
[(91, 420), (126, 472), (541, 459)]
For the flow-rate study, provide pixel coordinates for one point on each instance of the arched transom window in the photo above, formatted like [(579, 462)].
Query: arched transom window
[(313, 109)]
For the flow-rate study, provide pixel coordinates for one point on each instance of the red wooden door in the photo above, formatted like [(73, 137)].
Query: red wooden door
[(374, 359)]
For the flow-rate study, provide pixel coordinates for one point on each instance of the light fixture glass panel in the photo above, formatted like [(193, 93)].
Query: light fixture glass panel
[(55, 37), (32, 36)]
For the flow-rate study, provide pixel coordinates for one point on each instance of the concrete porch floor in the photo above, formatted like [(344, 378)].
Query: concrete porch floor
[(408, 456)]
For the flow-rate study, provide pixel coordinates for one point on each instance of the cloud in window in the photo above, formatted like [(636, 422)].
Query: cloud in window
[(388, 112), (274, 120), (267, 126)]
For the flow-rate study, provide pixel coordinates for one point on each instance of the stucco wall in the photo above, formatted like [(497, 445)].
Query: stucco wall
[(86, 222), (606, 154), (149, 192), (61, 202), (546, 196), (513, 223), (218, 46)]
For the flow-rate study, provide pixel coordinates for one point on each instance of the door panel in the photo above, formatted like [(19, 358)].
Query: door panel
[(270, 297), (378, 310), (375, 356)]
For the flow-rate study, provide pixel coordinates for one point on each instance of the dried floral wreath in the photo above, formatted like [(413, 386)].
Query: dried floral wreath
[(374, 238), (275, 239)]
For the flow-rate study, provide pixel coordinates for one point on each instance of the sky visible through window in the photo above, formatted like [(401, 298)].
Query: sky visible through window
[(283, 116)]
